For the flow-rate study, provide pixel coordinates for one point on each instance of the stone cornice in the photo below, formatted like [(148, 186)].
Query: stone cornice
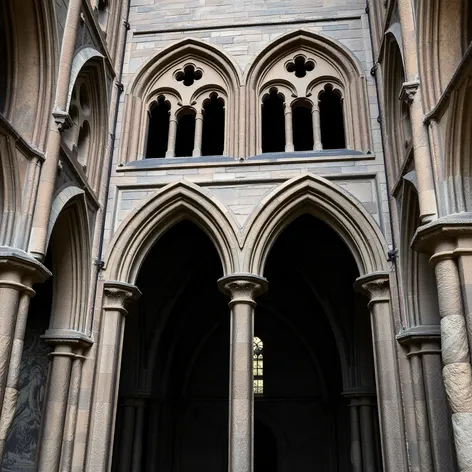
[(428, 236), (68, 337), (418, 334)]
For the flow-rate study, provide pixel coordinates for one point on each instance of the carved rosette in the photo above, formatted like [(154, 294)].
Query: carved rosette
[(118, 295), (243, 288), (375, 286)]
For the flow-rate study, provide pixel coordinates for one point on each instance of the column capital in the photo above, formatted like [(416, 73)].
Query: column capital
[(118, 295), (375, 286), (243, 288), (26, 268)]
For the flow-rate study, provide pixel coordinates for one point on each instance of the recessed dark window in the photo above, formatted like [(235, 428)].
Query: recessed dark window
[(331, 118), (158, 131), (185, 135), (273, 122), (302, 128), (213, 140)]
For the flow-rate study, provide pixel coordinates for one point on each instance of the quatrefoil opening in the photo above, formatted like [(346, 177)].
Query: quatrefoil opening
[(300, 66), (188, 75)]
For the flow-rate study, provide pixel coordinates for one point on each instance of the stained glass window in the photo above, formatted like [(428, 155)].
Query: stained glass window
[(258, 366)]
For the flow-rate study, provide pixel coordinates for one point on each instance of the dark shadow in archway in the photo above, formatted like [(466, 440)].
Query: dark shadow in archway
[(317, 348), (265, 448), (173, 400)]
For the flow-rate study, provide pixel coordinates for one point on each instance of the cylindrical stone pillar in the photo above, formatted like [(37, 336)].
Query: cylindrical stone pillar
[(197, 145), (171, 140), (376, 287), (289, 147), (18, 272), (243, 289), (367, 435), (127, 433), (356, 452), (457, 369), (138, 436), (55, 408), (116, 297), (318, 146)]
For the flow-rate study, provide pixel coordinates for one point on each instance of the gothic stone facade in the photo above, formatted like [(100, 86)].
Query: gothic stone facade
[(235, 235)]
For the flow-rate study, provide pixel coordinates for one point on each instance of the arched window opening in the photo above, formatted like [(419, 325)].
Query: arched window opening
[(158, 130), (213, 141), (185, 134), (303, 128), (83, 143), (406, 124), (331, 118), (70, 134), (258, 366), (273, 124)]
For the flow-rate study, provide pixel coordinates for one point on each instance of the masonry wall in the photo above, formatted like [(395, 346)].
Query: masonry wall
[(242, 29)]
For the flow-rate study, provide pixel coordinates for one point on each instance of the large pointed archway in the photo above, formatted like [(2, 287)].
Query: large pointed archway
[(173, 396)]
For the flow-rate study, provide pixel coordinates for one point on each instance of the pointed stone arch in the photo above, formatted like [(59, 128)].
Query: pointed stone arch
[(28, 54), (69, 238), (147, 83), (317, 196), (174, 203), (344, 67)]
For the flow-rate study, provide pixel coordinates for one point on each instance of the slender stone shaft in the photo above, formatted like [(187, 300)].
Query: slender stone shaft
[(367, 435), (356, 453), (171, 140), (289, 147), (376, 287), (318, 146), (116, 297), (243, 289), (138, 436), (197, 146)]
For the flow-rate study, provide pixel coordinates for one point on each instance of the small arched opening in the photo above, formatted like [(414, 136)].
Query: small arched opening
[(213, 138), (185, 139), (158, 129), (273, 123), (331, 118)]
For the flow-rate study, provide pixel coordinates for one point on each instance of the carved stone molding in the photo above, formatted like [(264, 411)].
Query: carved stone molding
[(62, 119), (408, 91), (243, 288), (375, 286), (118, 295), (27, 269), (69, 337)]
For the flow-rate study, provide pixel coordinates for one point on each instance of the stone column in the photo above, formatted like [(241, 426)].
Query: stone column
[(376, 287), (59, 123), (138, 435), (116, 297), (18, 272), (423, 164), (171, 140), (243, 289), (126, 440), (356, 451), (197, 146), (318, 146), (289, 147), (457, 370), (366, 407)]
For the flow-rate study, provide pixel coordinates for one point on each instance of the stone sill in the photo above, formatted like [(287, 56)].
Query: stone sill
[(260, 159)]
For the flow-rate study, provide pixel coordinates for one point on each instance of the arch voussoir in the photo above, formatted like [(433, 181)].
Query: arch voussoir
[(317, 196), (170, 205)]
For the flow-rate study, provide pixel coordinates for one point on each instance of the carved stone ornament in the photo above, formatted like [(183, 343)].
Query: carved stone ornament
[(375, 286), (408, 91), (243, 288), (118, 295), (62, 119)]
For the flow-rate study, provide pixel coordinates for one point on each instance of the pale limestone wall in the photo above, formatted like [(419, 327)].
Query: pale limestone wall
[(254, 25)]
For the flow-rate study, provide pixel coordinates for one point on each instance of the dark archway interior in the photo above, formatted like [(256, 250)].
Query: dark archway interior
[(23, 437), (331, 119), (173, 400), (317, 345), (213, 139), (158, 131), (176, 358), (185, 135), (303, 128), (273, 124)]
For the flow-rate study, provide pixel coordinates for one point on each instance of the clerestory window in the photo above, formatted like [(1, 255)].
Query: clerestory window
[(258, 366)]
